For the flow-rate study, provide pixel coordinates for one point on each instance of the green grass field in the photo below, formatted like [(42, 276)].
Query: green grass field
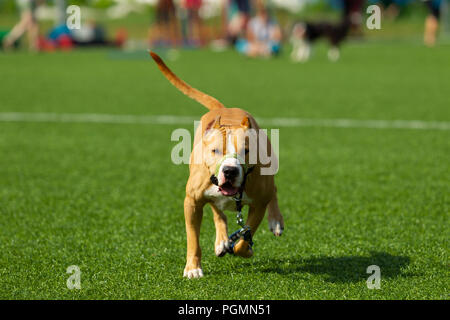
[(107, 198)]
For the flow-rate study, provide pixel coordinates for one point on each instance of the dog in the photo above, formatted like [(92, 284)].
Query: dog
[(223, 174), (304, 34)]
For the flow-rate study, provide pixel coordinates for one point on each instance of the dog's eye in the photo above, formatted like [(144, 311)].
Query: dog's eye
[(215, 151)]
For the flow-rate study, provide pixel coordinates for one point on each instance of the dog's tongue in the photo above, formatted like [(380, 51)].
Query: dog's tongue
[(227, 189)]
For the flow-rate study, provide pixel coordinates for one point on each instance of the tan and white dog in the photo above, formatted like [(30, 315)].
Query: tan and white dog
[(223, 134)]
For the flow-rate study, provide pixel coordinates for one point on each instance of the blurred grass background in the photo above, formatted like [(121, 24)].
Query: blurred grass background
[(107, 198)]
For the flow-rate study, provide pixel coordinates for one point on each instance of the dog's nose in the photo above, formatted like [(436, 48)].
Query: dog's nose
[(230, 172)]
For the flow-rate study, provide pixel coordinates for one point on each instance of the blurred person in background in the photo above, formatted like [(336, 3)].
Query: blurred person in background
[(239, 11), (263, 35), (352, 13), (60, 12), (27, 24), (432, 22), (392, 9), (194, 23), (235, 15), (91, 34), (166, 31)]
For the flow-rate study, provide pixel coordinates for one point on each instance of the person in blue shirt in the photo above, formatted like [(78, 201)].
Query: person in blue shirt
[(263, 38)]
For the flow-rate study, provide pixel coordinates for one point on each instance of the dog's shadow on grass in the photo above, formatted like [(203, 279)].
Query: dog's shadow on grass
[(341, 269)]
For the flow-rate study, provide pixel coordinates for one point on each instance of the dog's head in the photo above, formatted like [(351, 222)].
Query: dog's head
[(226, 153)]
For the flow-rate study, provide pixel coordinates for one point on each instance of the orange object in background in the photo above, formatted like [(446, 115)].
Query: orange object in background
[(65, 42), (121, 37), (45, 44)]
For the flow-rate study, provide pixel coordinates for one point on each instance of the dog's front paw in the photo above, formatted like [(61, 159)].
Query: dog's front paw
[(276, 227), (193, 273), (222, 248)]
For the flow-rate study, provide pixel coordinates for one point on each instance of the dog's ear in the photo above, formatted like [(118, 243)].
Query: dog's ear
[(245, 123), (214, 124)]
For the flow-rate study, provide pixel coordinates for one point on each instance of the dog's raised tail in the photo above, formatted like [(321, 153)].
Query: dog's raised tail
[(204, 99)]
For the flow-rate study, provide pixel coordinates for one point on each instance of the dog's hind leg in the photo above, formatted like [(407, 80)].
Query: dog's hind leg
[(193, 214), (276, 222), (220, 221)]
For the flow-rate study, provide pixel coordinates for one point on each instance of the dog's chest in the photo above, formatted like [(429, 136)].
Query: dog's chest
[(222, 202)]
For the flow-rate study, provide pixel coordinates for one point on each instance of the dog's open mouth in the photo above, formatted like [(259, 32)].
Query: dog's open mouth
[(227, 189)]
